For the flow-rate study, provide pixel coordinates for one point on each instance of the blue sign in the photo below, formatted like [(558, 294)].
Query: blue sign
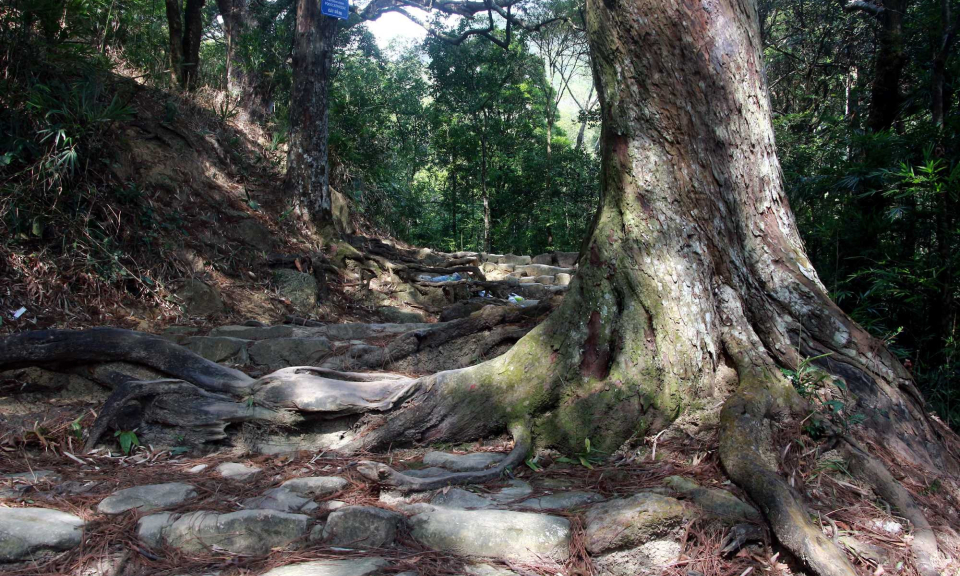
[(336, 8)]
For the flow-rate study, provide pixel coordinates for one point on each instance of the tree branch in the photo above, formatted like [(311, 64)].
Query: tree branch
[(863, 6)]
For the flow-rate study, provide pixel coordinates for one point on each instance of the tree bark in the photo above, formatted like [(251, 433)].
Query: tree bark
[(175, 33), (308, 171), (192, 33), (885, 97), (484, 194)]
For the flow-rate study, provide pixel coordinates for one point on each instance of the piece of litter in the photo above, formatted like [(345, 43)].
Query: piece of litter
[(19, 313)]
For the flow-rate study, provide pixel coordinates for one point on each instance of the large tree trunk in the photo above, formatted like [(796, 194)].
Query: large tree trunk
[(693, 291), (308, 170)]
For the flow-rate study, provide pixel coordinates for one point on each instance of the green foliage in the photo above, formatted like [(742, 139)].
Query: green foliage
[(587, 458), (127, 439)]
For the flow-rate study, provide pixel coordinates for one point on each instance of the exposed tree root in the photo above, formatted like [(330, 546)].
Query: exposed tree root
[(924, 545), (114, 344), (387, 476), (750, 461)]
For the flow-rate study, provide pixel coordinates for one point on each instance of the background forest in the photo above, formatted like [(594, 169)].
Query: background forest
[(472, 146)]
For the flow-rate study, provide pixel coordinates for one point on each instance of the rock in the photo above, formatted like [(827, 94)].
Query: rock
[(197, 469), (566, 259), (487, 570), (200, 299), (253, 233), (300, 288), (562, 279), (562, 500), (150, 528), (649, 558), (527, 280), (514, 490), (254, 332), (284, 352), (398, 316), (545, 280), (296, 495), (513, 259), (315, 485), (245, 532), (493, 533), (280, 500), (460, 498), (352, 567), (362, 527), (236, 471), (714, 501), (146, 498), (218, 349), (546, 259), (463, 462), (627, 522), (26, 532)]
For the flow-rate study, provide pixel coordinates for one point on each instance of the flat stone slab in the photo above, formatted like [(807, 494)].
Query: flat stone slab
[(243, 532), (352, 567), (562, 500), (493, 533), (25, 532), (460, 498), (314, 486), (146, 498), (236, 471), (283, 352), (280, 500), (627, 522), (463, 462), (362, 527), (217, 349)]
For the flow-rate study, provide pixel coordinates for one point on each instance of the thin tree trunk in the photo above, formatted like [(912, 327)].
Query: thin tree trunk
[(251, 88), (175, 45), (484, 194), (308, 172), (192, 34), (948, 32), (885, 97)]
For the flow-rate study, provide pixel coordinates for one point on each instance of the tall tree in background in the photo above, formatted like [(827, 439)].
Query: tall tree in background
[(308, 170)]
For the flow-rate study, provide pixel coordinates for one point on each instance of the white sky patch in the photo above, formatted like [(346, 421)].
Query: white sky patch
[(395, 27)]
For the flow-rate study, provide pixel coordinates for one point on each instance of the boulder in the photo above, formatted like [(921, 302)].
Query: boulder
[(398, 316), (27, 532), (463, 462), (362, 527), (250, 532), (545, 280), (253, 233), (630, 522), (351, 567), (546, 259), (146, 498), (236, 471), (218, 348), (200, 299), (284, 352), (514, 259), (562, 500), (566, 259), (562, 279), (300, 288), (513, 491), (502, 534), (714, 501)]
